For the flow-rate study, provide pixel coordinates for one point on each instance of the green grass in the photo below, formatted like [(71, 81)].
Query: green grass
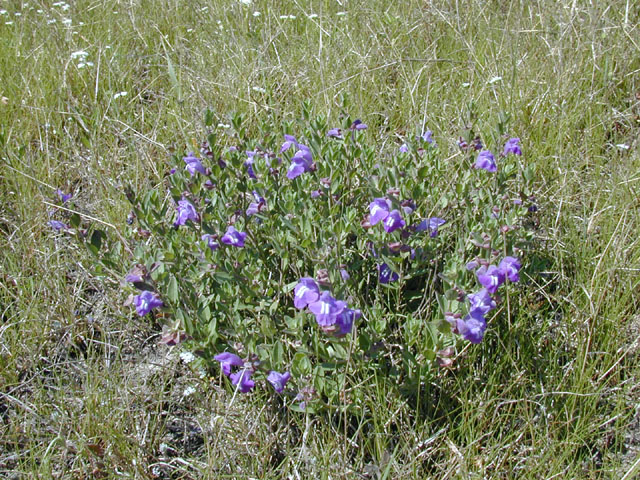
[(553, 395)]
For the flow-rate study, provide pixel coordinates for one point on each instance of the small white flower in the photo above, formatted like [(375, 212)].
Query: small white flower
[(223, 125), (3, 12), (49, 22), (187, 357), (120, 94), (623, 146), (189, 391), (493, 80), (341, 14), (66, 21), (18, 14), (288, 17), (256, 14), (312, 16), (79, 54), (8, 23), (258, 89), (246, 2)]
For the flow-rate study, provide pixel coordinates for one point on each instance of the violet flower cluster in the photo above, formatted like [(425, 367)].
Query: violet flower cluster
[(241, 378), (333, 316), (474, 324)]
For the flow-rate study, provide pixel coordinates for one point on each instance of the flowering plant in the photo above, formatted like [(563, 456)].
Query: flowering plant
[(267, 256)]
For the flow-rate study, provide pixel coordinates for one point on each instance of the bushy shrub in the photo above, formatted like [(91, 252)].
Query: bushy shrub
[(308, 260)]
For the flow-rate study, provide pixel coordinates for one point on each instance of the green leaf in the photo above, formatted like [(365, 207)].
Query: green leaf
[(172, 289)]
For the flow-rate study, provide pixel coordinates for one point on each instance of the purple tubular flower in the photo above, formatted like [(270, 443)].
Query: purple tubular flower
[(386, 275), (428, 137), (334, 133), (233, 237), (136, 274), (242, 379), (472, 265), (490, 278), (300, 163), (486, 161), (358, 125), (430, 224), (278, 380), (379, 210), (211, 241), (481, 301), (512, 146), (393, 221), (58, 225), (249, 163), (472, 326), (193, 164), (345, 320), (290, 141), (306, 292), (510, 266), (257, 206), (64, 197), (228, 360), (186, 212), (404, 148), (146, 301), (326, 309)]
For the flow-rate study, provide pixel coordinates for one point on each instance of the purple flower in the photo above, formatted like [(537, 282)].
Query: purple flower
[(393, 221), (290, 141), (334, 133), (278, 380), (510, 266), (512, 146), (242, 379), (386, 275), (136, 274), (345, 320), (228, 360), (64, 196), (249, 163), (472, 265), (146, 301), (430, 224), (326, 309), (257, 206), (58, 225), (233, 237), (344, 274), (428, 137), (193, 164), (472, 326), (404, 148), (316, 193), (486, 161), (358, 125), (306, 292), (211, 241), (379, 210), (481, 301), (186, 211), (490, 278), (300, 163)]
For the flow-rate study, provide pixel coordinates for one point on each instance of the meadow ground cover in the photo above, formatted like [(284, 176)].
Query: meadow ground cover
[(212, 153)]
